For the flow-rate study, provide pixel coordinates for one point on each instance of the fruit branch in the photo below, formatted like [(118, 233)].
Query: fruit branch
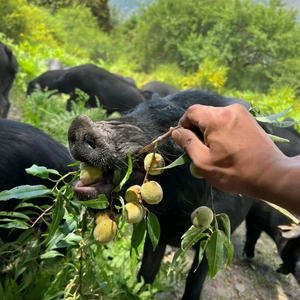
[(49, 208), (160, 138), (212, 206)]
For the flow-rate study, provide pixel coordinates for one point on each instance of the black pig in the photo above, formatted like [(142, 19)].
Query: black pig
[(9, 67), (114, 93), (105, 144), (263, 217), (48, 81), (23, 145), (161, 88)]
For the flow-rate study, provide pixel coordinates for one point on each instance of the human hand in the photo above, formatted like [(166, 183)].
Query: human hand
[(235, 155)]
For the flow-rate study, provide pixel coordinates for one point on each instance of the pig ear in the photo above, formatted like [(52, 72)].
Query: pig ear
[(292, 234)]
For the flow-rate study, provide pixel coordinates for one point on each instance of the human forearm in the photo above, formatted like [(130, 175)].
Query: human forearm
[(280, 184)]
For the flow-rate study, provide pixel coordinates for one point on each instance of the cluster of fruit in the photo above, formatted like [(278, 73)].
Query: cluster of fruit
[(134, 211)]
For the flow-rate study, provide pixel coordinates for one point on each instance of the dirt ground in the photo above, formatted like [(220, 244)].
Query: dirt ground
[(255, 280)]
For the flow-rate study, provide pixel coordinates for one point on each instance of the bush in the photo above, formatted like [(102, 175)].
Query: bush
[(209, 76)]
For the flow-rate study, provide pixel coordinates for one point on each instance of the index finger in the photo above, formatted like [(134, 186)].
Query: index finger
[(197, 116)]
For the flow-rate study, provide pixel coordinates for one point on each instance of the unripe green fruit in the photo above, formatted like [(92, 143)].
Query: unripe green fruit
[(104, 214), (152, 192), (134, 212), (89, 173), (194, 171), (158, 162), (133, 194), (105, 231), (202, 216)]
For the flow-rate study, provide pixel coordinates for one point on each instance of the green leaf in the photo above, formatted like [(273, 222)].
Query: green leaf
[(192, 236), (41, 172), (123, 220), (63, 231), (76, 163), (119, 174), (271, 118), (137, 242), (14, 215), (226, 223), (183, 159), (214, 253), (277, 139), (50, 254), (229, 247), (24, 191), (153, 229), (100, 203), (138, 234), (57, 216), (178, 256), (202, 248), (126, 177), (15, 224)]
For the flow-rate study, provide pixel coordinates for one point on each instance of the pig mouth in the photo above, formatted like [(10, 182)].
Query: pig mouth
[(104, 185), (84, 192)]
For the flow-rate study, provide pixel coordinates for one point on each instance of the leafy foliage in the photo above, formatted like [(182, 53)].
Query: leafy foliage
[(50, 115), (34, 264), (208, 76)]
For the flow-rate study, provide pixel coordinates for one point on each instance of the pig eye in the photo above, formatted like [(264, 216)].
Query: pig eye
[(90, 141)]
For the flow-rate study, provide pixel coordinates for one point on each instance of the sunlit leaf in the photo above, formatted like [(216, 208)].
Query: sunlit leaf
[(192, 236), (271, 118), (183, 159), (284, 211), (14, 215), (15, 224), (24, 191), (50, 254), (41, 172), (76, 163), (277, 139)]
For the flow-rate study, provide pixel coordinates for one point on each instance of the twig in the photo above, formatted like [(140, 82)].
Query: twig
[(146, 148), (62, 178), (212, 206), (49, 208), (151, 163)]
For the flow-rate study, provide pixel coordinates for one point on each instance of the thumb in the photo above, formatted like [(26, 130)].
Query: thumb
[(192, 145)]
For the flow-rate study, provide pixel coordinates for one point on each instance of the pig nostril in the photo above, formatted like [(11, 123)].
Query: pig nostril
[(91, 142)]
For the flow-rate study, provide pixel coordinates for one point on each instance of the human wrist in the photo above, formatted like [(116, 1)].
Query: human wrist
[(278, 185)]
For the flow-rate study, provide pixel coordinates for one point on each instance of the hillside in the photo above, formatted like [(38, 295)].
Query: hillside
[(127, 7)]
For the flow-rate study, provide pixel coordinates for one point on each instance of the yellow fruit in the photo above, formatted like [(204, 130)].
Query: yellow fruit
[(89, 173), (202, 216), (104, 214), (134, 212), (133, 194), (194, 171), (158, 162), (152, 192), (105, 231)]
